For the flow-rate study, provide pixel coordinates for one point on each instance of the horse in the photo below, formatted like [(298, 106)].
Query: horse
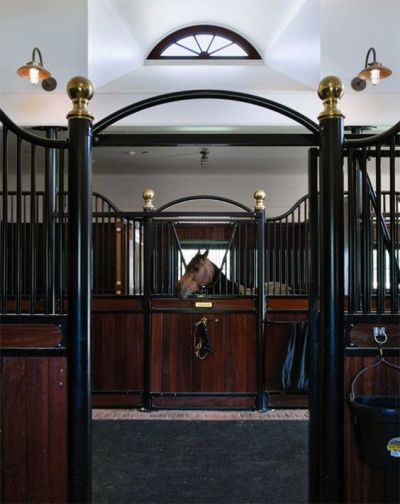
[(203, 276)]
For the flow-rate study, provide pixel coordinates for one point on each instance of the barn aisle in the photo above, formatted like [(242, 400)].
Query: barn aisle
[(215, 457)]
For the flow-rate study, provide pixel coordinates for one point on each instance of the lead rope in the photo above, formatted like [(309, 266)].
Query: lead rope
[(201, 343)]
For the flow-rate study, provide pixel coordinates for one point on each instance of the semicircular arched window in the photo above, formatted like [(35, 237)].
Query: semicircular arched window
[(204, 42)]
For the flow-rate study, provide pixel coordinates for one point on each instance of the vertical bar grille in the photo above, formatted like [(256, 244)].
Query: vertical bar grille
[(25, 248), (288, 251), (373, 229)]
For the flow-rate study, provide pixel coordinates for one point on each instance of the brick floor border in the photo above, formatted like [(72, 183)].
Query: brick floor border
[(134, 414)]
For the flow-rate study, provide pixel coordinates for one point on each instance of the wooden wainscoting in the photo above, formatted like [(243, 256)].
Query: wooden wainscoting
[(34, 429), (117, 352)]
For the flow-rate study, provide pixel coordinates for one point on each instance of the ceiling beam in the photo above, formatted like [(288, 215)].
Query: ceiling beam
[(189, 139)]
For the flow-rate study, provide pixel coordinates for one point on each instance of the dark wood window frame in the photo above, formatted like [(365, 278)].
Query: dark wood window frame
[(235, 38)]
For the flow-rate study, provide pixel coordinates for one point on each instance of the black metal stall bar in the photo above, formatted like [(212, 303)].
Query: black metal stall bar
[(259, 209), (313, 466), (79, 250), (148, 248), (4, 227), (328, 406)]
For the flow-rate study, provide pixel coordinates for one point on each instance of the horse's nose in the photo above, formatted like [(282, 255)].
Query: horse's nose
[(179, 290)]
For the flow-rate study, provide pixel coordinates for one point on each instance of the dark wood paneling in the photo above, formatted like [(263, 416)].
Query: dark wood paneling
[(363, 482), (229, 368), (290, 303), (30, 336), (117, 351), (116, 303), (217, 304), (362, 335), (288, 401), (34, 429), (104, 400), (204, 402)]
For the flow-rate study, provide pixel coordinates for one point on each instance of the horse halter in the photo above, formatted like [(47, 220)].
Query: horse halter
[(201, 343)]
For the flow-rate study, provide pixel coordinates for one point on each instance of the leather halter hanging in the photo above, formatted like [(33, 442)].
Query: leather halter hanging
[(201, 343)]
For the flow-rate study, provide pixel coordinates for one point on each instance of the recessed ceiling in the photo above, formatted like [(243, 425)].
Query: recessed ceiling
[(300, 41), (179, 160)]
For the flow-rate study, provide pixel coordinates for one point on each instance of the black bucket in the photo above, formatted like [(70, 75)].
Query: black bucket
[(376, 421)]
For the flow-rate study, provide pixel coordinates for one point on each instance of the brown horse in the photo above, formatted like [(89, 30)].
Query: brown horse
[(201, 273)]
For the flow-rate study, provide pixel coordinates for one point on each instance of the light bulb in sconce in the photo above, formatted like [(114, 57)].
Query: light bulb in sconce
[(375, 76), (35, 72), (34, 75)]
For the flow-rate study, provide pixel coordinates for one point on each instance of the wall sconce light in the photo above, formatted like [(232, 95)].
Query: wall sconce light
[(204, 158), (373, 71), (35, 72)]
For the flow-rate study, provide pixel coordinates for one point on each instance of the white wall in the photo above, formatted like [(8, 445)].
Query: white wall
[(282, 190)]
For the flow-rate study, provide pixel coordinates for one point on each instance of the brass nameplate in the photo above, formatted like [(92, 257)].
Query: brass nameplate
[(203, 304)]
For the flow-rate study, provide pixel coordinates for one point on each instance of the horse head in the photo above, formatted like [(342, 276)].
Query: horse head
[(199, 273)]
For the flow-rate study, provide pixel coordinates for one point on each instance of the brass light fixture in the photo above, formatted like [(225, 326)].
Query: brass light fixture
[(373, 72), (204, 157), (35, 72)]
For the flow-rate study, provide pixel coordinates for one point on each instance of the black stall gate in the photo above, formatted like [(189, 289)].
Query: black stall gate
[(230, 308)]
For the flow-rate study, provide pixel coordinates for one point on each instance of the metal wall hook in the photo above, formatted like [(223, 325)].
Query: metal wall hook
[(381, 359)]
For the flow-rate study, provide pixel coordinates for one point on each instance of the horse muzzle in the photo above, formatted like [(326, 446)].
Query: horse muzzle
[(182, 292)]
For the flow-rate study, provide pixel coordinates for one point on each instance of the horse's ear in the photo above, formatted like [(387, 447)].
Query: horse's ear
[(206, 253)]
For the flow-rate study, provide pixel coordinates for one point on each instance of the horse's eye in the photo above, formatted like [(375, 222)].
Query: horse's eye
[(196, 269)]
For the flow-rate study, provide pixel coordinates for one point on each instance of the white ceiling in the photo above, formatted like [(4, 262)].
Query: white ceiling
[(186, 159), (108, 41)]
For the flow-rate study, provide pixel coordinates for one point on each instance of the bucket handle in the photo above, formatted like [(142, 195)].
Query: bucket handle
[(381, 360)]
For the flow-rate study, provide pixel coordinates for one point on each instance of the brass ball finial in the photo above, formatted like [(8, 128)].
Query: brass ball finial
[(80, 90), (330, 90), (148, 196), (259, 196), (330, 87)]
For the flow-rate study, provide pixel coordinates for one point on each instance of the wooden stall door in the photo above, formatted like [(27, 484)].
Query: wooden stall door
[(230, 368)]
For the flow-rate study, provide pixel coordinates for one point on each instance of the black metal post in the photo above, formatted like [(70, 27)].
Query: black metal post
[(313, 437), (79, 271), (4, 225), (52, 156), (330, 374), (50, 206), (148, 244), (18, 231), (261, 298)]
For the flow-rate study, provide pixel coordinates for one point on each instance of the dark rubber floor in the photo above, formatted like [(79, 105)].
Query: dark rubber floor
[(199, 462)]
